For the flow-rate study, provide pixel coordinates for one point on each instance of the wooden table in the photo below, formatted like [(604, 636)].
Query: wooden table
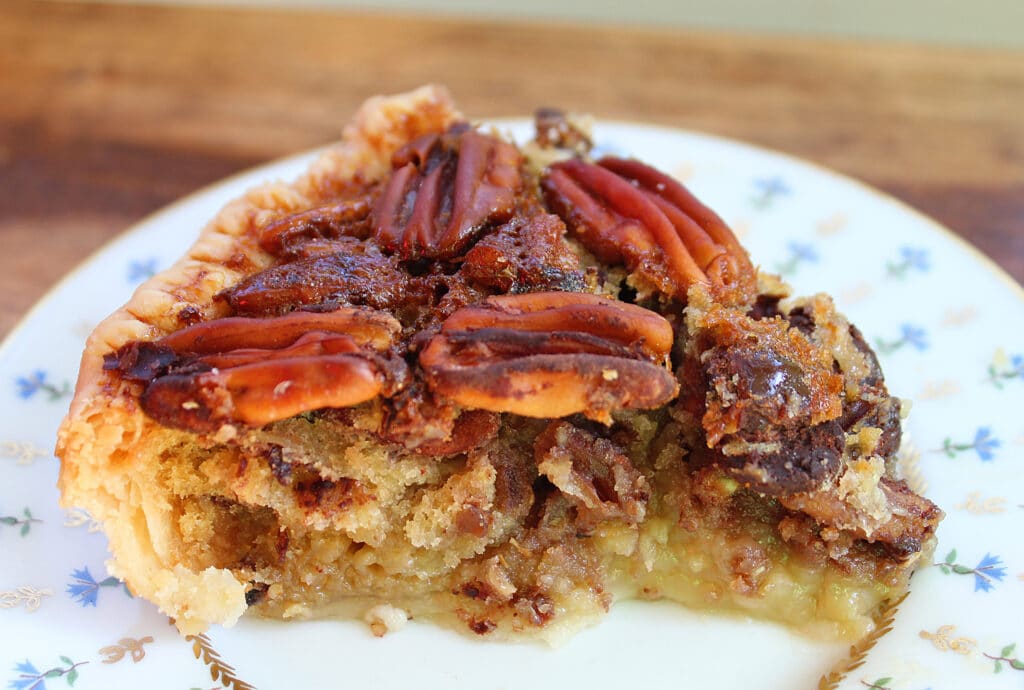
[(109, 112)]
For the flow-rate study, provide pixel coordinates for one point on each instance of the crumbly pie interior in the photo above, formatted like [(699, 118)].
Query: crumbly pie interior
[(500, 387)]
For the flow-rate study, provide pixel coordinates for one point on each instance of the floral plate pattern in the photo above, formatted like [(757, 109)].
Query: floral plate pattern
[(946, 324)]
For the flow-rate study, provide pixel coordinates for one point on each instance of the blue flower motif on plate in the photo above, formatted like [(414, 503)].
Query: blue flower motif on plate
[(31, 678), (910, 334), (987, 572), (911, 259), (984, 444), (85, 588), (1001, 370), (989, 569), (38, 381), (799, 253), (141, 269), (768, 190)]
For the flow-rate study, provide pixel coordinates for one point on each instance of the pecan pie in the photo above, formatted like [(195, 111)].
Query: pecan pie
[(441, 375)]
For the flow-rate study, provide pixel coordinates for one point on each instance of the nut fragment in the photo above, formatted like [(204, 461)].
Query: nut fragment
[(907, 521), (445, 190), (556, 129), (470, 430), (629, 213), (550, 354), (340, 219), (593, 473), (525, 254)]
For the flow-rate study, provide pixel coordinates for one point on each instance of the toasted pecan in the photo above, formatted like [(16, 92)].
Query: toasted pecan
[(250, 371), (632, 214), (444, 191), (552, 354)]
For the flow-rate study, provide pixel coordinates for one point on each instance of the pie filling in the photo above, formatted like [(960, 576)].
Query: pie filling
[(503, 387)]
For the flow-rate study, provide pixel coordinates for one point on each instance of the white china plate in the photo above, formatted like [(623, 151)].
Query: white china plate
[(948, 327)]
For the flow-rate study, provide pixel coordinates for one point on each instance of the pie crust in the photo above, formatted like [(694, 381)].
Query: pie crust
[(443, 376)]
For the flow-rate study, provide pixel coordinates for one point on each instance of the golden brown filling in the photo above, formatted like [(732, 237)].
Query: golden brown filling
[(502, 397)]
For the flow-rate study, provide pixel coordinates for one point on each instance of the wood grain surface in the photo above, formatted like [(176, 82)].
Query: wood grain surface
[(108, 112)]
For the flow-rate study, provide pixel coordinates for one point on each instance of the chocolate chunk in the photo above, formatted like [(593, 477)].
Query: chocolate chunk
[(256, 594), (797, 460), (279, 467)]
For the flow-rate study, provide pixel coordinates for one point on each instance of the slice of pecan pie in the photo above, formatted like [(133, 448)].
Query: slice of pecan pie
[(441, 375)]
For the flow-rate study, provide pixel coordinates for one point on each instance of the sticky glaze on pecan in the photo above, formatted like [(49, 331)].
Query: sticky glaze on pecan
[(446, 189), (261, 392), (552, 354), (525, 254), (367, 327), (250, 372), (629, 213), (348, 272)]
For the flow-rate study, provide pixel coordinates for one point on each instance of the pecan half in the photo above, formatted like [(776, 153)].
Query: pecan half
[(251, 372), (261, 392), (629, 213), (552, 354), (349, 272), (444, 191), (370, 328)]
